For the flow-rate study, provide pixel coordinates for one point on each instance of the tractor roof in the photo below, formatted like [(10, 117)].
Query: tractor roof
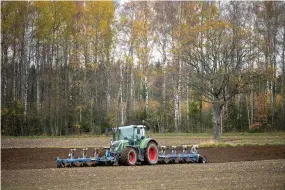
[(131, 126)]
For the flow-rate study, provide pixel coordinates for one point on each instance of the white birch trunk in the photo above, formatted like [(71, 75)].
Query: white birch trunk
[(283, 85), (179, 92), (187, 108), (217, 119), (132, 88), (108, 95), (146, 93), (163, 98), (176, 111), (121, 95)]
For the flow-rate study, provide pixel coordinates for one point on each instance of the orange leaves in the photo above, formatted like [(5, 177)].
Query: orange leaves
[(263, 107)]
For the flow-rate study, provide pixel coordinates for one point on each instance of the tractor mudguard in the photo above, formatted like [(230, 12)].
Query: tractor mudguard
[(145, 141)]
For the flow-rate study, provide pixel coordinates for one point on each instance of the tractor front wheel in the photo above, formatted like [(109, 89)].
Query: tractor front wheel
[(151, 154), (129, 156)]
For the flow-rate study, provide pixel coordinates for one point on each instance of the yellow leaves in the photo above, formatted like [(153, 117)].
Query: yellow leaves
[(129, 60), (124, 20), (209, 10), (13, 18), (214, 25), (153, 105), (214, 9), (278, 100), (44, 20), (54, 16), (4, 110), (88, 17), (92, 66), (140, 74), (140, 29), (99, 11), (98, 17), (183, 107), (206, 106)]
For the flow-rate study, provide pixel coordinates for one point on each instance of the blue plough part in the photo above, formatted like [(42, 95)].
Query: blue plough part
[(108, 159)]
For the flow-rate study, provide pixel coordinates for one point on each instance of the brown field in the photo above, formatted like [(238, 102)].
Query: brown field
[(268, 174), (250, 167)]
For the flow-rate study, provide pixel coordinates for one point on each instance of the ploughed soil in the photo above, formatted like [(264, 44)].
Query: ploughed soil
[(40, 158), (262, 174)]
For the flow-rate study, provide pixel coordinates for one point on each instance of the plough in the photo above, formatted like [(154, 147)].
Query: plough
[(129, 146)]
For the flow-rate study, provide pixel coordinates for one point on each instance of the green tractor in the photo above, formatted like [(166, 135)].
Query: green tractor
[(129, 145)]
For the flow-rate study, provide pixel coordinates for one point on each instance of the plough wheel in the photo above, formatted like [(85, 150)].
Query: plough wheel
[(101, 152), (202, 159), (129, 156), (151, 154), (60, 165)]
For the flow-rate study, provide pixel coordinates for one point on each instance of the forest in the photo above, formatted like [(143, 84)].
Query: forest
[(72, 67)]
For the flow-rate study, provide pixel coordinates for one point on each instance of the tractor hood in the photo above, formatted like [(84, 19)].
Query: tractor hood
[(117, 146)]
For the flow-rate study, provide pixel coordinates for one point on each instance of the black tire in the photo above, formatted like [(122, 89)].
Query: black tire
[(151, 154), (128, 157), (120, 162), (202, 159), (101, 152), (110, 163)]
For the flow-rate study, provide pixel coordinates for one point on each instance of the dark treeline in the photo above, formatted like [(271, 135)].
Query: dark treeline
[(176, 66)]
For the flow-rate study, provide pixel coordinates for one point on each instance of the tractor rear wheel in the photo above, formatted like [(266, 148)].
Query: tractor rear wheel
[(151, 154), (129, 156)]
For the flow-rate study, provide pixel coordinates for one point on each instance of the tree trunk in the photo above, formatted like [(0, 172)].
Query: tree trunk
[(176, 112), (146, 94), (187, 109), (282, 123), (121, 95), (217, 120)]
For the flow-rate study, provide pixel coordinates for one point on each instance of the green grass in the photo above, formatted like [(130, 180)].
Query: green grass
[(232, 139), (203, 139), (52, 136)]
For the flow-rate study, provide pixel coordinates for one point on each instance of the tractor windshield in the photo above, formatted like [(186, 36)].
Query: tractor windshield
[(126, 133), (131, 132)]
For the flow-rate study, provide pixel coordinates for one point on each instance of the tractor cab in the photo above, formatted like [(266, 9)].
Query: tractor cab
[(132, 133), (128, 136)]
